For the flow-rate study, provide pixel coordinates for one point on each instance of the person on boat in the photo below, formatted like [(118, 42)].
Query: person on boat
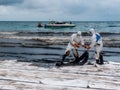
[(40, 24), (96, 42), (74, 43)]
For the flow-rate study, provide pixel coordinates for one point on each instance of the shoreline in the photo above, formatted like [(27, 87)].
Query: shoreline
[(29, 76), (58, 38)]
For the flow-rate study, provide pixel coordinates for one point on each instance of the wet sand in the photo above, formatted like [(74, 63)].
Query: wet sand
[(26, 76)]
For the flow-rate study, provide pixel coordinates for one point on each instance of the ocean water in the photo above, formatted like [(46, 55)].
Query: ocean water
[(14, 48), (100, 26)]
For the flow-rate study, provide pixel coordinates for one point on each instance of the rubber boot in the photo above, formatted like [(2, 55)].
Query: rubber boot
[(59, 63), (101, 59), (63, 58), (97, 61)]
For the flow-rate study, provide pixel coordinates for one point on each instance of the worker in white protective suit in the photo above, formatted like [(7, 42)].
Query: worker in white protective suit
[(74, 43), (96, 42)]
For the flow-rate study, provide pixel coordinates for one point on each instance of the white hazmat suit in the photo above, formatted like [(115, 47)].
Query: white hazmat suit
[(96, 42), (74, 39)]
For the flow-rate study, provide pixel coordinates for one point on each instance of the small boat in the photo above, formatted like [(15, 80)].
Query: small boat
[(59, 24), (40, 24)]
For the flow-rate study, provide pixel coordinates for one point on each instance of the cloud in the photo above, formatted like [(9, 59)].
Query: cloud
[(60, 9), (10, 2)]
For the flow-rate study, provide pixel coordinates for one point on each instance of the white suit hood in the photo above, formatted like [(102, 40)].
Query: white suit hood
[(92, 31)]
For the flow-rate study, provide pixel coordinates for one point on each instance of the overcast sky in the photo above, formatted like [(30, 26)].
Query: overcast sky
[(44, 10)]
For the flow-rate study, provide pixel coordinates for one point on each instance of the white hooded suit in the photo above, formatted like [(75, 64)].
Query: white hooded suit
[(75, 38), (96, 42)]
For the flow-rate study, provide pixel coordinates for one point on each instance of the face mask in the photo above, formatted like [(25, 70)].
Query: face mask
[(90, 33)]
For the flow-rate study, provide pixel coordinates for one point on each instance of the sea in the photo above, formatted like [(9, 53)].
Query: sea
[(100, 26), (13, 50)]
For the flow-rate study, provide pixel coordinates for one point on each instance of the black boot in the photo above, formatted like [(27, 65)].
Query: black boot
[(101, 59), (59, 63), (97, 61), (63, 58)]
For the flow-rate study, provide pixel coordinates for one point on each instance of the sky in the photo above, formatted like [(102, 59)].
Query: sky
[(62, 10)]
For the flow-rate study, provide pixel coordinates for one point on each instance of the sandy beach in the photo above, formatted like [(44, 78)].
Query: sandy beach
[(31, 74), (26, 76)]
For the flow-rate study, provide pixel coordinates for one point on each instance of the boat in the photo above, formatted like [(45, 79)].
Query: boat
[(59, 24), (40, 24)]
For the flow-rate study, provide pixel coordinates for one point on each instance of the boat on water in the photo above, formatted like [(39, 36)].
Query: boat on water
[(39, 24), (55, 24)]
